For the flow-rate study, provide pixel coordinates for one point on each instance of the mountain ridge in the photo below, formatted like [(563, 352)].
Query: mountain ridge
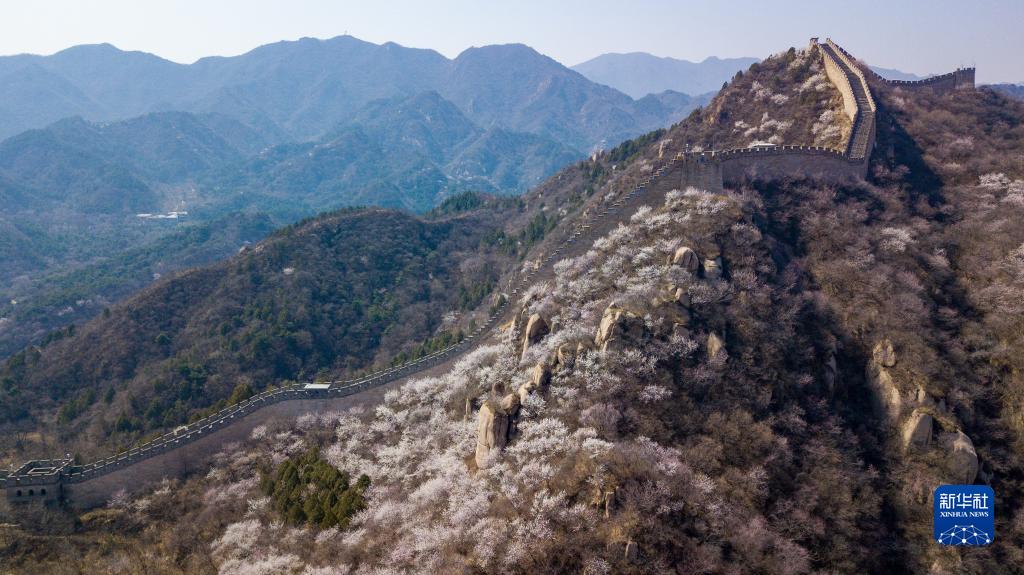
[(301, 86), (638, 74)]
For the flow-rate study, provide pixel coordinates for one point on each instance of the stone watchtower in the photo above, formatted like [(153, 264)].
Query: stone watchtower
[(38, 480), (963, 79)]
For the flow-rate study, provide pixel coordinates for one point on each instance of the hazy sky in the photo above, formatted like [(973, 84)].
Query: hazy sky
[(914, 36)]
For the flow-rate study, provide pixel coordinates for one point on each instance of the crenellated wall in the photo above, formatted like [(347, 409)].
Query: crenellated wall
[(791, 162), (959, 79), (192, 456)]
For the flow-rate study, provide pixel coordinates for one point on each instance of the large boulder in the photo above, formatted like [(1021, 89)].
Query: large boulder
[(510, 404), (917, 430), (618, 327), (687, 259), (492, 431), (536, 328), (961, 456)]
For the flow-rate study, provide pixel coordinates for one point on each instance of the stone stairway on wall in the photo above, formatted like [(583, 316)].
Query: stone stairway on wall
[(862, 136)]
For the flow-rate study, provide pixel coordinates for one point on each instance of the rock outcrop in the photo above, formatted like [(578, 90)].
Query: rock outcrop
[(510, 404), (568, 352), (540, 375), (961, 457), (917, 430), (492, 431), (524, 391), (687, 259), (618, 328), (536, 328), (888, 401), (927, 414)]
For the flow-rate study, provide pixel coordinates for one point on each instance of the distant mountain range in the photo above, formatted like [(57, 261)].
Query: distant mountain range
[(96, 136), (299, 90), (408, 153), (1012, 90), (639, 73)]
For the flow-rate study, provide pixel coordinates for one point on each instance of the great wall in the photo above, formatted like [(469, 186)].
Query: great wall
[(189, 448)]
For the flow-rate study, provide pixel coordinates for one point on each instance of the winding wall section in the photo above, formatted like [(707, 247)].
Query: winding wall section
[(191, 447), (959, 79)]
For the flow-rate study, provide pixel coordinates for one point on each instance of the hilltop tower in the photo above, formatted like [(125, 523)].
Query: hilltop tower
[(963, 79)]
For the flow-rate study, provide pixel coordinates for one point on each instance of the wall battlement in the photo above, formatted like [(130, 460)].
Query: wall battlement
[(959, 79), (190, 447)]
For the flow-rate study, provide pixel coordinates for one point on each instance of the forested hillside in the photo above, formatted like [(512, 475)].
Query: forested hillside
[(328, 296), (41, 306), (75, 190)]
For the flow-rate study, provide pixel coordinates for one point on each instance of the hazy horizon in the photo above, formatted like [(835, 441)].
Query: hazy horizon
[(955, 34)]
